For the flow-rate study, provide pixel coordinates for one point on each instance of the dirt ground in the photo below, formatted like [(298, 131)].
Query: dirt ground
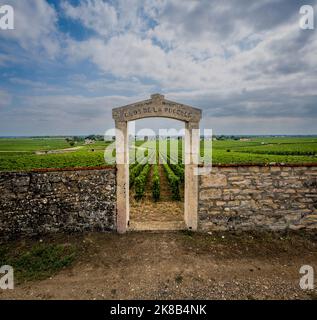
[(179, 265)]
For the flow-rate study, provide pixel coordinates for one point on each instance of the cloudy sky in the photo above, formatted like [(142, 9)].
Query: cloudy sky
[(246, 64)]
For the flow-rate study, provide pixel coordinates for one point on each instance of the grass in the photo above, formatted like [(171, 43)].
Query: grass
[(38, 262)]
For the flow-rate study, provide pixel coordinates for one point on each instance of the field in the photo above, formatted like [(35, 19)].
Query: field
[(29, 145), (26, 154), (33, 153), (266, 150)]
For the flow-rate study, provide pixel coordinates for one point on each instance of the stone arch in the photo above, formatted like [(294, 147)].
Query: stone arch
[(157, 106)]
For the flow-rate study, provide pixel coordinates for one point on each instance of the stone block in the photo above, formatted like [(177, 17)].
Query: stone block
[(214, 180), (210, 194)]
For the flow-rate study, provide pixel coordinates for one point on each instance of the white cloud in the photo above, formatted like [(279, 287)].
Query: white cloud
[(133, 85), (96, 15), (259, 126), (108, 18), (61, 114), (35, 26), (230, 59), (195, 55), (204, 46)]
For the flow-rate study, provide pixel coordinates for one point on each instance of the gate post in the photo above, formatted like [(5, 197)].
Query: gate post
[(192, 147), (122, 154)]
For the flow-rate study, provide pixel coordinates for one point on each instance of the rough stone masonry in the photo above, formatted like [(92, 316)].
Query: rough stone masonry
[(258, 197), (230, 198), (33, 203)]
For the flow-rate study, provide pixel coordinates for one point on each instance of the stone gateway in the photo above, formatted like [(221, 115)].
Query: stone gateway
[(157, 106), (233, 197)]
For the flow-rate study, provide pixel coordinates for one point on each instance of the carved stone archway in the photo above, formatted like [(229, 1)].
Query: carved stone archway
[(157, 106)]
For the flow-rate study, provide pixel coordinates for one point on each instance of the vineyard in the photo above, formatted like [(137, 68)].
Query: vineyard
[(139, 176), (34, 153), (157, 190), (156, 171)]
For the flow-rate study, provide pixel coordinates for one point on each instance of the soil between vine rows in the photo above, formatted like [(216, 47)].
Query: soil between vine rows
[(160, 215)]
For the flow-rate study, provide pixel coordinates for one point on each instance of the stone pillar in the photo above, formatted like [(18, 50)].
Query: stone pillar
[(192, 142), (122, 154)]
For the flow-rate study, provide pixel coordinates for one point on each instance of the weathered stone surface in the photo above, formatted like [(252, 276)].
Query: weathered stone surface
[(157, 106), (214, 180), (210, 194), (76, 201), (253, 197), (70, 201)]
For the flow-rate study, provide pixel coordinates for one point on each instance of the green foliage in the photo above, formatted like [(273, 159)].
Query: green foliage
[(179, 171), (18, 153), (72, 143), (95, 137), (287, 149), (10, 162), (156, 193), (133, 165), (173, 181), (39, 262), (134, 172), (78, 139), (140, 182)]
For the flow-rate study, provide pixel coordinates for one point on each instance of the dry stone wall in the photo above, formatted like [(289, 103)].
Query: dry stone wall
[(230, 198), (33, 203), (258, 197)]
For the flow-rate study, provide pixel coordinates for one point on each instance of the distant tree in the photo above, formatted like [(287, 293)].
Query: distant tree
[(91, 137), (99, 137), (70, 141), (78, 139)]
